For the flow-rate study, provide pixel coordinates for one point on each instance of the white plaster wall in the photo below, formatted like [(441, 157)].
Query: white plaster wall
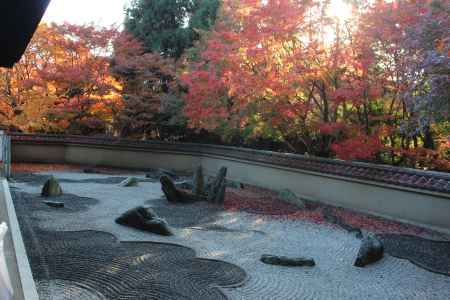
[(422, 208)]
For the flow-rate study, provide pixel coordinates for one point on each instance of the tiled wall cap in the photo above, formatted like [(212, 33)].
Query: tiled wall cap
[(418, 179)]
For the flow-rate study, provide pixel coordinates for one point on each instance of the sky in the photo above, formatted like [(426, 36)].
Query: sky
[(109, 12), (100, 12)]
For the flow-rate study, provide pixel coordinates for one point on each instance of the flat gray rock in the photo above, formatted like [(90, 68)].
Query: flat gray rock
[(287, 261)]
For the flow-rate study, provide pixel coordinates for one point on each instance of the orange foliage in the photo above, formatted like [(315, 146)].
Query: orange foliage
[(62, 82), (271, 68)]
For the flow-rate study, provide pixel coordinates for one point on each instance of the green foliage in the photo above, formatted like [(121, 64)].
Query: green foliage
[(170, 27), (204, 14)]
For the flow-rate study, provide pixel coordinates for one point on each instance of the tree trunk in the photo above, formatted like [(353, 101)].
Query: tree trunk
[(428, 140)]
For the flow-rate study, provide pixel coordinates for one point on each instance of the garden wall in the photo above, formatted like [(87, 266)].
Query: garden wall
[(414, 196)]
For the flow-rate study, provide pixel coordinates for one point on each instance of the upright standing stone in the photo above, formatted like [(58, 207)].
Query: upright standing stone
[(51, 188), (218, 186), (199, 183), (220, 197)]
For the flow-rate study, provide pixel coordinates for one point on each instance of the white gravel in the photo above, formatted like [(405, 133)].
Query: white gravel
[(334, 250)]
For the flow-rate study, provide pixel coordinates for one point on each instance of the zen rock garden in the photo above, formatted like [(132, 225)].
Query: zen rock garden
[(264, 239), (309, 141), (212, 191)]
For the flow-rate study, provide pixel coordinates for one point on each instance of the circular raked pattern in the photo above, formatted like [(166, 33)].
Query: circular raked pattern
[(94, 265)]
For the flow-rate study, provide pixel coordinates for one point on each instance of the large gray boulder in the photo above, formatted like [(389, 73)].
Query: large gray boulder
[(214, 192), (145, 219), (51, 188), (371, 251), (287, 261)]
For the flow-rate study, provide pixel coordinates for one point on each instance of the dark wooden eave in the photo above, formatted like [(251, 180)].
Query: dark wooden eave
[(18, 22)]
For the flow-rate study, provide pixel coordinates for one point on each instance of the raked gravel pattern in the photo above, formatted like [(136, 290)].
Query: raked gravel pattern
[(249, 236)]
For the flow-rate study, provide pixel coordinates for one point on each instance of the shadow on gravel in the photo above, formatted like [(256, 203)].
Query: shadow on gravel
[(431, 255), (95, 265), (196, 216)]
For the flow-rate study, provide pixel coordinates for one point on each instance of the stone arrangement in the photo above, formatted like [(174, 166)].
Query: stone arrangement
[(371, 249), (213, 191)]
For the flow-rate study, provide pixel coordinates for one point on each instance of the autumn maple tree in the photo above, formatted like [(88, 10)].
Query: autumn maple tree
[(63, 81), (147, 80), (288, 71), (79, 73), (290, 75)]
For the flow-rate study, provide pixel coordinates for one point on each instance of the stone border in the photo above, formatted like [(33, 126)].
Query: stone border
[(26, 278), (399, 177)]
